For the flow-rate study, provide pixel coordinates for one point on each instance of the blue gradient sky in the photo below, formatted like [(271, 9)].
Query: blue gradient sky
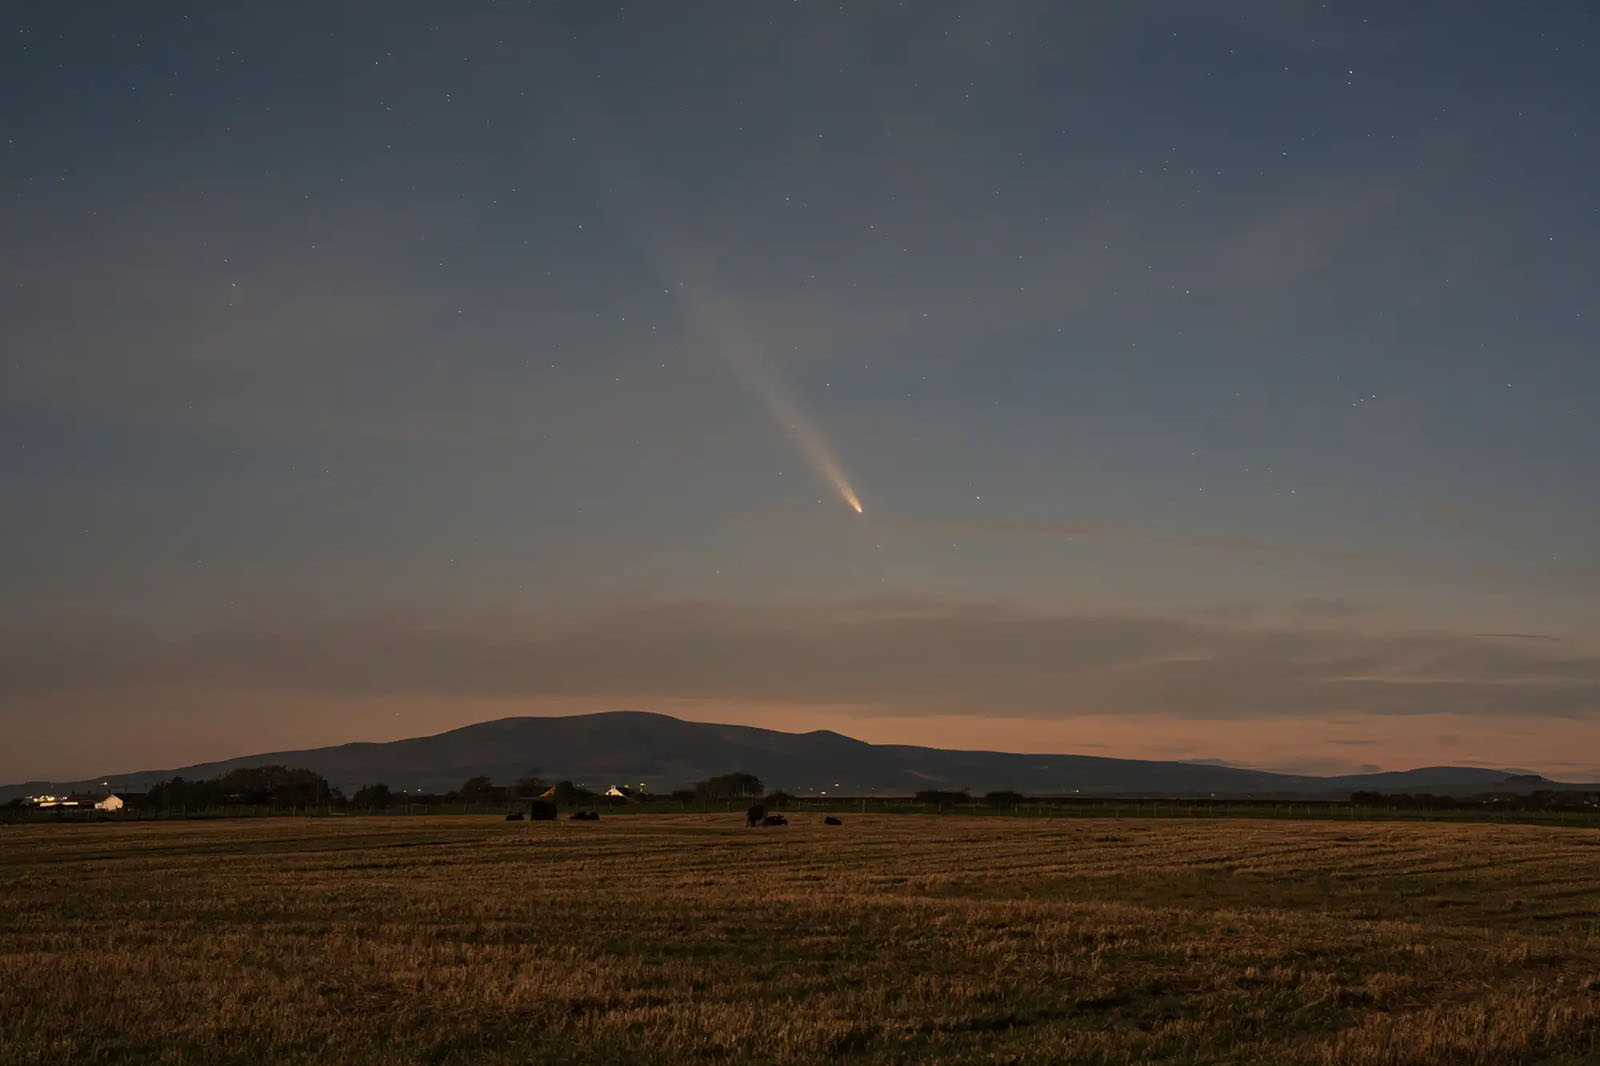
[(1219, 379)]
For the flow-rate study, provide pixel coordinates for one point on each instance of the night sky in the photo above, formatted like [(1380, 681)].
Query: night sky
[(1217, 380)]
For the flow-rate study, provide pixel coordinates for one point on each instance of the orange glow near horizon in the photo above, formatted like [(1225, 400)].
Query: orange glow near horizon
[(1311, 744)]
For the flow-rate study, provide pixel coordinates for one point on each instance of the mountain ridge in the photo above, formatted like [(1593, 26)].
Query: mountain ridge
[(663, 752)]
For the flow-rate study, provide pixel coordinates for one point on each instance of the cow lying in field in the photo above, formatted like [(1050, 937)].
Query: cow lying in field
[(774, 819), (831, 820)]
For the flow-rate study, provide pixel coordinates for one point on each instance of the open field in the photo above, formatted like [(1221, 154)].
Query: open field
[(669, 939)]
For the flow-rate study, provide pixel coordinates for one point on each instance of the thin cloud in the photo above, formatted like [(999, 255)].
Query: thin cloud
[(1540, 637), (1238, 547), (896, 657), (1330, 608)]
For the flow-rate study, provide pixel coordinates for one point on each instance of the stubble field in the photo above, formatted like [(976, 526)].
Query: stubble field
[(891, 939)]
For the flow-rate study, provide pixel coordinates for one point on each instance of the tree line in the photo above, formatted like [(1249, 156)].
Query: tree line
[(1548, 799), (280, 787), (254, 786), (479, 790), (288, 788), (285, 788)]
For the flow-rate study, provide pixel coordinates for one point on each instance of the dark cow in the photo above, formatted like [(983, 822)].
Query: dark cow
[(584, 816), (754, 815), (542, 811), (831, 820), (774, 819), (514, 816)]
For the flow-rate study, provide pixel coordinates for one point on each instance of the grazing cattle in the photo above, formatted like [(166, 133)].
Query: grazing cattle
[(831, 820), (542, 811), (584, 816), (754, 815), (774, 819), (515, 816)]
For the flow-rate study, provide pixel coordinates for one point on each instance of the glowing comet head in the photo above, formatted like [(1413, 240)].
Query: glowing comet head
[(828, 467)]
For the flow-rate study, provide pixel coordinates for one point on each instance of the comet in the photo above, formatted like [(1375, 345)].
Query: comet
[(711, 315), (738, 346)]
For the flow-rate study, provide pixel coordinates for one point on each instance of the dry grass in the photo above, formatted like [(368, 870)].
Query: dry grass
[(671, 939)]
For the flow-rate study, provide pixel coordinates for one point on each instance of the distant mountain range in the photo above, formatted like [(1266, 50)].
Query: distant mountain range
[(663, 753)]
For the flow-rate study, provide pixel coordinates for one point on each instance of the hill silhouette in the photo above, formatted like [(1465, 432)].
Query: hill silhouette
[(663, 753)]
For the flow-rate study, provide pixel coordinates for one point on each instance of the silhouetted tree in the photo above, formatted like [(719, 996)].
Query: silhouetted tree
[(729, 786), (531, 786), (256, 786), (477, 790), (373, 797), (568, 794)]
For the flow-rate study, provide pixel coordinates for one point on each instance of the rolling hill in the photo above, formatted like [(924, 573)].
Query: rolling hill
[(663, 753)]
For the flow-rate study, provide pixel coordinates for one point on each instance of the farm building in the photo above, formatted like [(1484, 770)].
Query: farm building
[(51, 800), (87, 800)]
